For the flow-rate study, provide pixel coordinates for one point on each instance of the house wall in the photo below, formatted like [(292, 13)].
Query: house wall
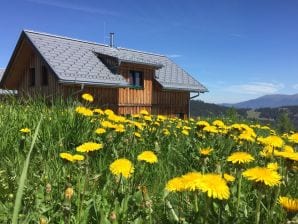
[(170, 103), (121, 100), (131, 100), (52, 89)]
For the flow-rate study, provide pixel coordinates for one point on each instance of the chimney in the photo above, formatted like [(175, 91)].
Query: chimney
[(112, 40)]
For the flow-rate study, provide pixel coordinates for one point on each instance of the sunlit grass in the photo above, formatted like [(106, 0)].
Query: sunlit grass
[(88, 165)]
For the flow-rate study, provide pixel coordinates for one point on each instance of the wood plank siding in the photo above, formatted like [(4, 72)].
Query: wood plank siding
[(170, 103), (133, 100), (150, 96)]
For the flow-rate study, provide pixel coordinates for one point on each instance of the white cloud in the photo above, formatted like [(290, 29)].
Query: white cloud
[(295, 86), (256, 88), (73, 6), (174, 55)]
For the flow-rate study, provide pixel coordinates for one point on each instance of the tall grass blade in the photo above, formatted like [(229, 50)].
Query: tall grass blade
[(18, 200)]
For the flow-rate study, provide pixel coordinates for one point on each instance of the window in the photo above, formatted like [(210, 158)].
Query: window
[(136, 79), (44, 76), (32, 77)]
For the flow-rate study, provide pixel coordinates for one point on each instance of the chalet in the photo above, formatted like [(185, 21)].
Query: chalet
[(121, 79), (4, 92)]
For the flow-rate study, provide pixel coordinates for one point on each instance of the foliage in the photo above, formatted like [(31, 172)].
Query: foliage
[(184, 175)]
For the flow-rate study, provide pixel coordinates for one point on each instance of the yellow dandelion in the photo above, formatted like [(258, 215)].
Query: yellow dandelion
[(78, 157), (144, 112), (70, 157), (289, 204), (100, 131), (137, 134), (191, 181), (25, 130), (228, 177), (122, 167), (185, 132), (272, 166), (84, 111), (148, 156), (293, 138), (98, 111), (263, 175), (175, 185), (215, 186), (240, 157), (108, 112), (66, 156), (166, 132), (89, 147), (69, 193), (206, 151), (88, 97)]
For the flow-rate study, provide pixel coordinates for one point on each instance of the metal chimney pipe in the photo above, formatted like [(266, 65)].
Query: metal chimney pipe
[(111, 39)]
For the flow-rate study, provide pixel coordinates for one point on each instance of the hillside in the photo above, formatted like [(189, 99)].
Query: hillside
[(263, 115), (272, 101)]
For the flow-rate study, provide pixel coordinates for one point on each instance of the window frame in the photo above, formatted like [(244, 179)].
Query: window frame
[(133, 79)]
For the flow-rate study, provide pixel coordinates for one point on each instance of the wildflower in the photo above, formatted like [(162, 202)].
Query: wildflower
[(137, 134), (205, 151), (88, 97), (289, 204), (70, 157), (287, 155), (293, 138), (144, 112), (84, 111), (100, 131), (166, 131), (272, 140), (89, 147), (25, 130), (68, 193), (43, 220), (218, 123), (98, 111), (185, 132), (228, 177), (240, 157), (122, 167), (108, 112), (202, 124), (175, 185), (264, 175), (148, 156), (272, 166), (215, 186), (191, 180), (210, 129)]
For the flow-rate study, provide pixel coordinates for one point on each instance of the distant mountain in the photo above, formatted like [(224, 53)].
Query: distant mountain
[(271, 101)]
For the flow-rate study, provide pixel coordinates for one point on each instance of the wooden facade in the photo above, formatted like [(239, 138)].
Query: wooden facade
[(123, 101)]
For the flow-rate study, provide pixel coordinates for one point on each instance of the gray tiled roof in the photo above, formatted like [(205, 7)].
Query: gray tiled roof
[(76, 61)]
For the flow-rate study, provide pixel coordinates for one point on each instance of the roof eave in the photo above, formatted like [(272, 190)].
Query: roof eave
[(89, 83), (192, 90)]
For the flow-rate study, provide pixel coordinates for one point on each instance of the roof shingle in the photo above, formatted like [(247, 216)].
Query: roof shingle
[(76, 61)]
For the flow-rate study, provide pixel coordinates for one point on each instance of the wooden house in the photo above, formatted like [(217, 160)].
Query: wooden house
[(121, 79)]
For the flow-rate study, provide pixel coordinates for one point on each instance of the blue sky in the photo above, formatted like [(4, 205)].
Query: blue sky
[(239, 49)]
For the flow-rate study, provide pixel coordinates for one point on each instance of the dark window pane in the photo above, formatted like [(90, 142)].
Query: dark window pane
[(44, 76), (32, 77)]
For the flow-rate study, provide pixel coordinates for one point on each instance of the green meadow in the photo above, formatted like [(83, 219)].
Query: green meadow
[(72, 162)]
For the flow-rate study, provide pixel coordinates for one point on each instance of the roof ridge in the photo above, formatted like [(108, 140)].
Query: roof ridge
[(64, 37), (91, 42), (144, 52)]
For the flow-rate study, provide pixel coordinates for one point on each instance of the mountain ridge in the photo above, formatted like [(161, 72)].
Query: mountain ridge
[(270, 101)]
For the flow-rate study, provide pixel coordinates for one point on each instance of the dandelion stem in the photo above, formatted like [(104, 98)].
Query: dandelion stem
[(238, 191), (258, 207)]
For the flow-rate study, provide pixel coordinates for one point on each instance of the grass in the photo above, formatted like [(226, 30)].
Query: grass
[(101, 197)]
